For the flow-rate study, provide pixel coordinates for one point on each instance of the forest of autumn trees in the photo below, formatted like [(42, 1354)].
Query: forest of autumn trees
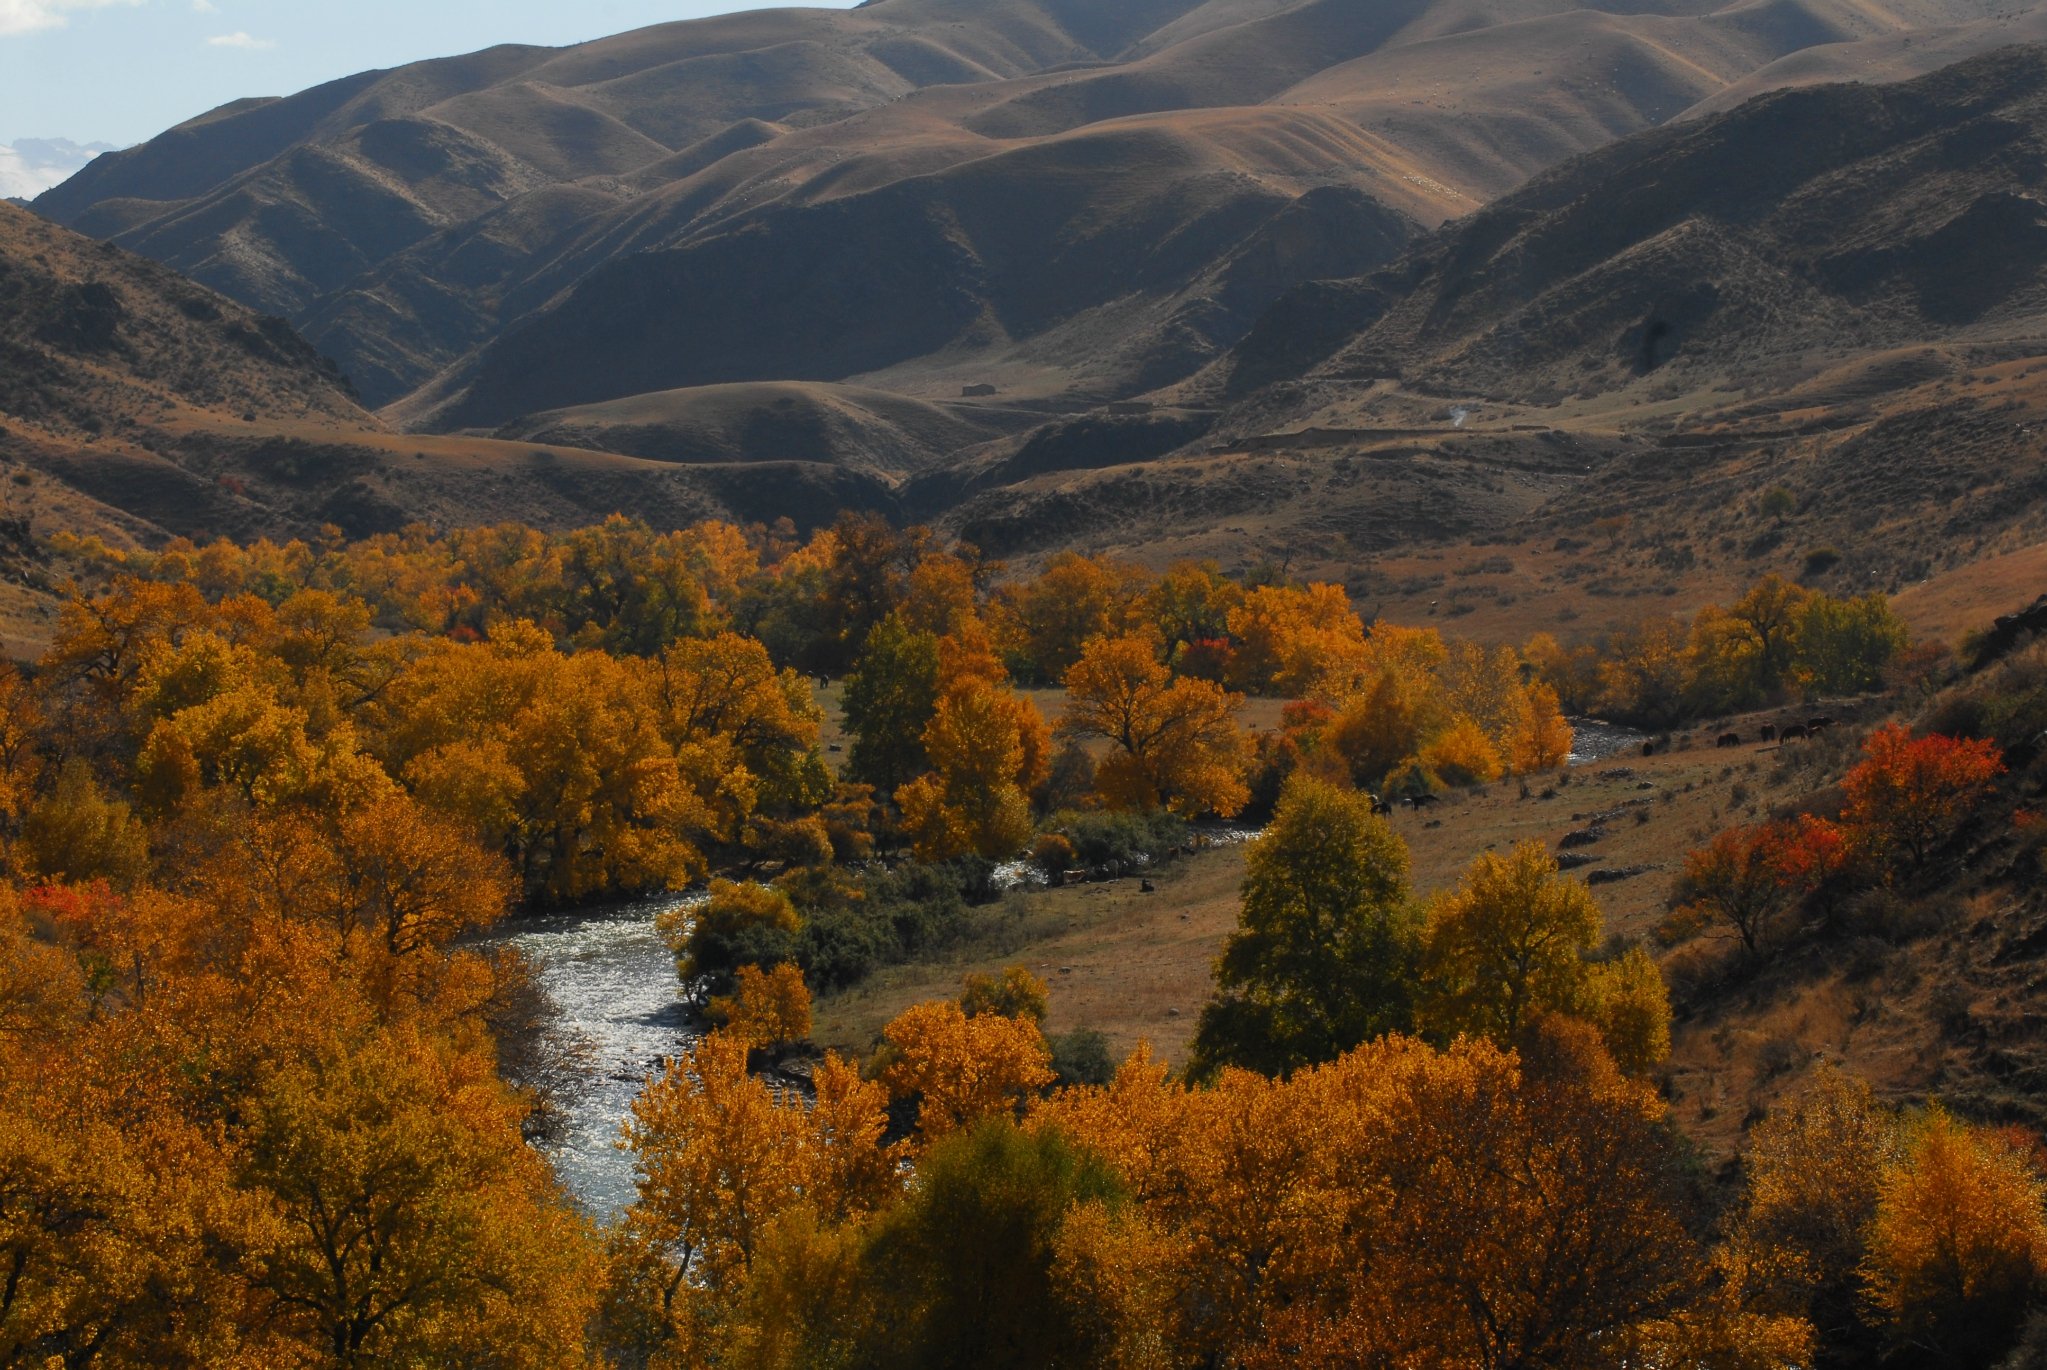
[(260, 1102)]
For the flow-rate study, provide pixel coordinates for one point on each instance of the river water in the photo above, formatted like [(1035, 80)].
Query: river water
[(1595, 740), (612, 975)]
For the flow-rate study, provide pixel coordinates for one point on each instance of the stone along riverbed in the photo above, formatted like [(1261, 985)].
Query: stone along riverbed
[(611, 974)]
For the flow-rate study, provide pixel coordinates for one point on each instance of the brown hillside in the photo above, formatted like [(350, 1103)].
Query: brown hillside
[(1058, 198), (1566, 408), (138, 406)]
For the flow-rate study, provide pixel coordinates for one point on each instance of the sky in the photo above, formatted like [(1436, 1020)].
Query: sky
[(121, 71)]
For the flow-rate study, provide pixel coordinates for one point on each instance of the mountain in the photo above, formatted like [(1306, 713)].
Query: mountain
[(1574, 402), (30, 166), (1068, 201), (139, 406), (1745, 249)]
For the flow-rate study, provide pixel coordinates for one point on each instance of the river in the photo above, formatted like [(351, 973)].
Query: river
[(1595, 740), (610, 972)]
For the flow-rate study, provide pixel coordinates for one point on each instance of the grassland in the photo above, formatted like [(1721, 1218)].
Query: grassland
[(1137, 967)]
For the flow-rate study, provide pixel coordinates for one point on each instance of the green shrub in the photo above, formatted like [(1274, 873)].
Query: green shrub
[(1118, 844), (1081, 1057)]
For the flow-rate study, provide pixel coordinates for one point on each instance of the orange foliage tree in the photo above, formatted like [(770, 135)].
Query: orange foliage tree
[(962, 1069), (1910, 794), (1176, 743)]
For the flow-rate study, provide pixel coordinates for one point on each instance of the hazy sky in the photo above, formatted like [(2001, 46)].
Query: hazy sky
[(119, 71)]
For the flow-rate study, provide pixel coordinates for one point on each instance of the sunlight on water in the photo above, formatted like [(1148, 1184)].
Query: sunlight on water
[(1595, 740), (613, 976)]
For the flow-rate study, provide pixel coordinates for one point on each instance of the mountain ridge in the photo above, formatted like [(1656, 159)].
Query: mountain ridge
[(414, 222)]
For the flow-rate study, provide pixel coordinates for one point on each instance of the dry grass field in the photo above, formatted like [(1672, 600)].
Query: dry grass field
[(1137, 967)]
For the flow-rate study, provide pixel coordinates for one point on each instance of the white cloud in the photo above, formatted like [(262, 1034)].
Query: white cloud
[(33, 165), (27, 16), (240, 40), (205, 7)]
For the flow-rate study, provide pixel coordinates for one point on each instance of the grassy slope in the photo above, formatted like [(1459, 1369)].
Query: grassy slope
[(1138, 966)]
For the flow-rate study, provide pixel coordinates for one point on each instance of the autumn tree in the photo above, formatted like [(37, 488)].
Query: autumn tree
[(1738, 882), (1073, 601), (1816, 858), (1324, 953), (1016, 993), (1745, 652), (1542, 738), (745, 737), (1175, 743), (80, 833), (413, 1223), (1909, 795), (740, 924), (961, 1069), (1645, 674), (1462, 755), (721, 1156), (1525, 1220), (1507, 943), (989, 748), (1813, 1175), (1304, 643), (766, 1009), (1626, 999), (889, 701), (1191, 606), (563, 759), (1386, 726), (1958, 1244)]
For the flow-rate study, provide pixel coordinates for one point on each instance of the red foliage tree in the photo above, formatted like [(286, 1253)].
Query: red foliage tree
[(1910, 794), (1814, 857)]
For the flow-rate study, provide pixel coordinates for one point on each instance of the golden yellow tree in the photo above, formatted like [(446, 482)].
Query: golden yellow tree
[(1175, 743), (987, 747), (962, 1069), (1507, 943), (767, 1009), (1304, 643), (1958, 1244)]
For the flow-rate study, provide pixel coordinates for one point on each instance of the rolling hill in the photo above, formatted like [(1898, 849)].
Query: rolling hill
[(1569, 406), (1068, 201), (138, 407)]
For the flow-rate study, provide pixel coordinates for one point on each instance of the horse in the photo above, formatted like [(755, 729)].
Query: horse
[(1729, 740)]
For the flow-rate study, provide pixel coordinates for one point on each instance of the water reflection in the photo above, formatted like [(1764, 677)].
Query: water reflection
[(612, 975)]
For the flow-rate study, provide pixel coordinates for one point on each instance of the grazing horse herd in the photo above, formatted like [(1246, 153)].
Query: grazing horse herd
[(1791, 732)]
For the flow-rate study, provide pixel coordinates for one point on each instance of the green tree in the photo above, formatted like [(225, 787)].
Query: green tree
[(740, 925), (1325, 949), (964, 1266), (1507, 944), (890, 701), (1844, 645)]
